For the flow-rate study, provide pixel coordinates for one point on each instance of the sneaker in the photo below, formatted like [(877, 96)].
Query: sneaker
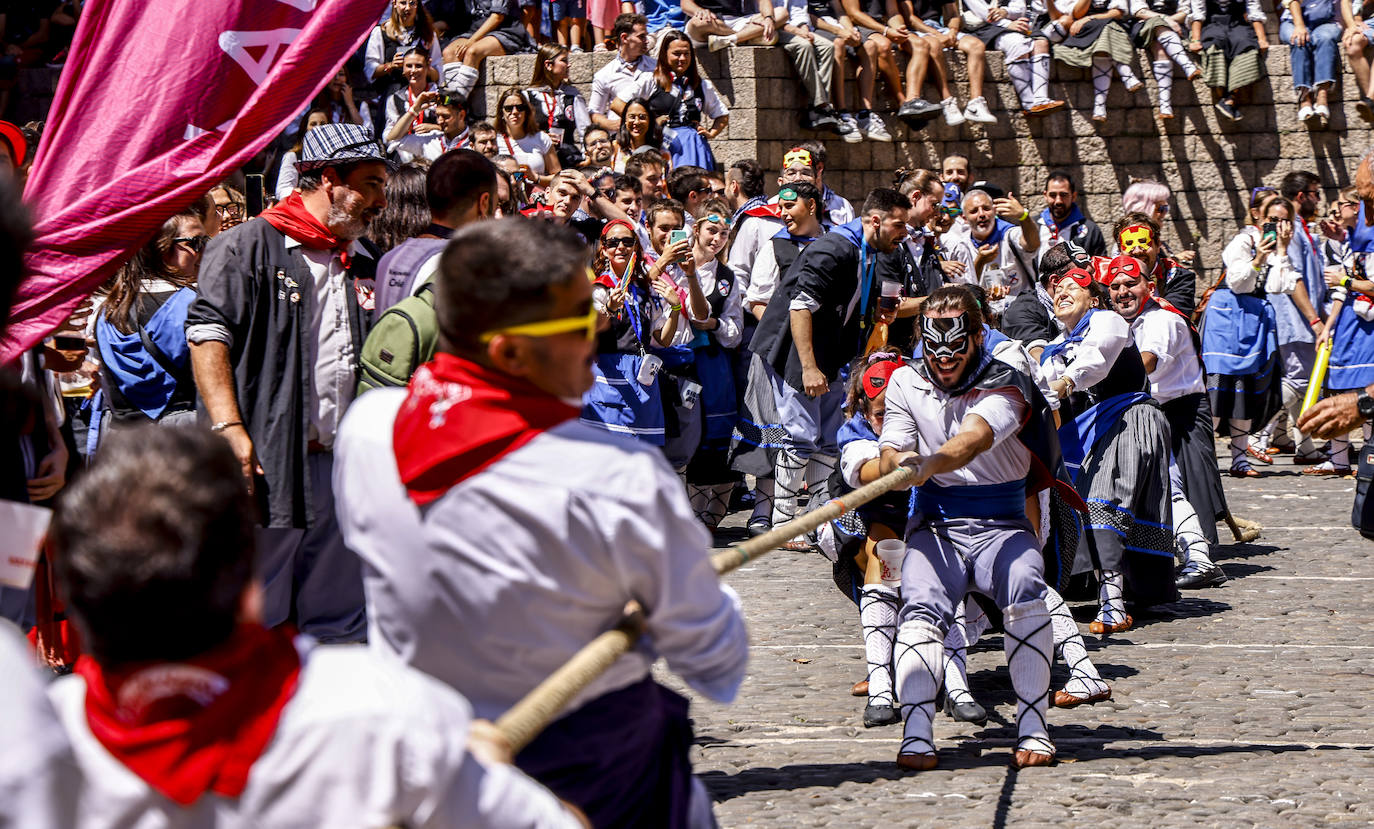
[(848, 128), (953, 116), (917, 108), (873, 128), (1305, 112), (1229, 110), (817, 118), (717, 42), (977, 111)]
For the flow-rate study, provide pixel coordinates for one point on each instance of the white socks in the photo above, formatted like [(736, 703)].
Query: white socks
[(710, 502), (459, 78), (1188, 536), (1173, 47), (1164, 77), (878, 615), (1022, 79), (763, 499), (956, 665), (1102, 82), (1240, 441), (1040, 78), (1028, 643), (1109, 592), (920, 655), (1128, 77), (819, 468), (788, 473), (1084, 680)]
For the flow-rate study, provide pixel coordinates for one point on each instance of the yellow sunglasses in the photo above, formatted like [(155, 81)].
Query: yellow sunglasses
[(549, 328)]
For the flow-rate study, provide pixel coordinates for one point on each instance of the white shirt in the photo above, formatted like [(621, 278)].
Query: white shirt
[(764, 278), (1088, 362), (611, 78), (511, 572), (364, 742), (374, 54), (333, 381), (428, 145), (1280, 274), (39, 778), (1254, 12), (754, 234), (529, 150), (854, 455), (1177, 370), (1014, 263), (921, 417), (551, 101), (646, 86)]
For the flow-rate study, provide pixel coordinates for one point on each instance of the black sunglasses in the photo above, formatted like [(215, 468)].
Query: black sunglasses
[(618, 242), (516, 108), (195, 243)]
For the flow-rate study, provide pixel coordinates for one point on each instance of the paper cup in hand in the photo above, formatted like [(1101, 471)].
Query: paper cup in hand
[(22, 528), (891, 553)]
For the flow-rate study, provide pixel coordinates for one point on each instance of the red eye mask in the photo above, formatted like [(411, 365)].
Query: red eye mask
[(1127, 266)]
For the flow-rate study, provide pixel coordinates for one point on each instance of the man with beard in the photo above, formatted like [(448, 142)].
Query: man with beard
[(1063, 221), (284, 304), (1138, 235), (966, 422), (1002, 237), (817, 320), (1169, 349), (597, 150)]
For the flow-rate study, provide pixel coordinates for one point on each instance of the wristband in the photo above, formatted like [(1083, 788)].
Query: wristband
[(1025, 214), (1317, 321), (1346, 282), (225, 424)]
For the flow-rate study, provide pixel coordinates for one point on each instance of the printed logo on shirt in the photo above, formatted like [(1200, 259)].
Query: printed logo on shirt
[(724, 286), (367, 293)]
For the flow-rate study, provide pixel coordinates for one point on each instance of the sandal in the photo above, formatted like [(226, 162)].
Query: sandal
[(1261, 455), (796, 545), (1327, 469), (1243, 470)]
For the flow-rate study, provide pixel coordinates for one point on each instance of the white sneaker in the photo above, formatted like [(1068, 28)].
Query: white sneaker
[(977, 112), (717, 42), (1322, 111), (853, 134), (953, 116), (874, 129)]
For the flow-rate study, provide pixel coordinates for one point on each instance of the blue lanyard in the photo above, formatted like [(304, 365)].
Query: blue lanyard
[(868, 267)]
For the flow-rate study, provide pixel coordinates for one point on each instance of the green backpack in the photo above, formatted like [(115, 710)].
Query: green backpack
[(404, 339)]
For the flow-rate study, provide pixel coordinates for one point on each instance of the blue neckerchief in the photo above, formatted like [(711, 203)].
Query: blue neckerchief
[(1075, 216), (1075, 336), (141, 379), (1078, 437), (757, 201), (855, 428), (853, 232), (999, 229), (801, 240)]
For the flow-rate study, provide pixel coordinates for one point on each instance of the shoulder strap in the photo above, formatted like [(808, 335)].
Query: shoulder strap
[(181, 374)]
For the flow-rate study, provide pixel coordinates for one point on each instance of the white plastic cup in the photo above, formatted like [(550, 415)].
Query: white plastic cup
[(557, 134), (22, 529), (648, 369), (690, 391), (891, 553)]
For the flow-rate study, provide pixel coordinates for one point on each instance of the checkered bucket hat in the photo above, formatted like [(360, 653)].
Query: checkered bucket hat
[(331, 144)]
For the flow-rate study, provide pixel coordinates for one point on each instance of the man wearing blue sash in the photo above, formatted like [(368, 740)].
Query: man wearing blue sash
[(950, 416)]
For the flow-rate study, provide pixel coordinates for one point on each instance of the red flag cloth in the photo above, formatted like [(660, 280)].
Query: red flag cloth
[(459, 418), (187, 728), (159, 101)]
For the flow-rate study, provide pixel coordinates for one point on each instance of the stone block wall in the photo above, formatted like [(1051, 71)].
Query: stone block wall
[(1209, 163)]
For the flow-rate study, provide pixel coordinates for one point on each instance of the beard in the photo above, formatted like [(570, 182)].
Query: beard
[(346, 219)]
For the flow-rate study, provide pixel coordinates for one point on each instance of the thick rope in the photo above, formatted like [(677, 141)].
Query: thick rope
[(541, 706)]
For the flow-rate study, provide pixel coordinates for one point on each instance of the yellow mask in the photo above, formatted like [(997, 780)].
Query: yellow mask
[(1136, 239)]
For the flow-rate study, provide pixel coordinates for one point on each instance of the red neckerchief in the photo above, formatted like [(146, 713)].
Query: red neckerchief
[(187, 728), (458, 418), (766, 211), (291, 217), (410, 102)]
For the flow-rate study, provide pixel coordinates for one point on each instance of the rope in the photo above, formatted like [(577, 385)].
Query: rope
[(541, 706)]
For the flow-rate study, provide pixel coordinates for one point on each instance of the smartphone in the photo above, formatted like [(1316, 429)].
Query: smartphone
[(1271, 231), (66, 342), (679, 235), (254, 192)]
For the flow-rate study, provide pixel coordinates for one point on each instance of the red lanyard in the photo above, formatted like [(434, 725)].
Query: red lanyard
[(410, 102)]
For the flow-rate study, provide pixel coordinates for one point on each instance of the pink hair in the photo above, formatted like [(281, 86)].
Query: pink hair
[(1142, 196)]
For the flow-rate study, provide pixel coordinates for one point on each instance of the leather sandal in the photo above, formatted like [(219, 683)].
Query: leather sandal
[(1245, 471), (1063, 699), (1024, 758), (1327, 469), (1261, 456), (859, 689), (917, 762), (1101, 628)]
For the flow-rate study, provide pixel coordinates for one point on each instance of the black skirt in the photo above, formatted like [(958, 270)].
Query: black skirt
[(1190, 428), (1254, 397)]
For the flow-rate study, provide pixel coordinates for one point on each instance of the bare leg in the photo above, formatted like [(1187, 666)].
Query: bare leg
[(976, 54), (939, 68), (868, 66)]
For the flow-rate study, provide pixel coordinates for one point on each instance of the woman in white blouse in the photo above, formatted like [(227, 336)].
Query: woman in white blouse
[(520, 136)]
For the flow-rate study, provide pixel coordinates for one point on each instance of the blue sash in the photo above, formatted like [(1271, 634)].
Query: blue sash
[(141, 379), (1006, 500), (1078, 437), (617, 402)]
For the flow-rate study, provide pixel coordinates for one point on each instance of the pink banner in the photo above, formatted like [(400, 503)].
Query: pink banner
[(160, 100)]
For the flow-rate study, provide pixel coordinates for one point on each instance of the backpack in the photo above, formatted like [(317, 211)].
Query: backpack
[(404, 338)]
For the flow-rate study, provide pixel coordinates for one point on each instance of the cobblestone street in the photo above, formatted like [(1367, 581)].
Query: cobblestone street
[(1243, 705)]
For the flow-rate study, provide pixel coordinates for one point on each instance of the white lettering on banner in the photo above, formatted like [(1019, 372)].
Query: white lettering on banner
[(303, 5), (237, 44)]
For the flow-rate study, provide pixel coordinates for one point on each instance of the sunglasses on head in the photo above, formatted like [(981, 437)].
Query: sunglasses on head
[(195, 243)]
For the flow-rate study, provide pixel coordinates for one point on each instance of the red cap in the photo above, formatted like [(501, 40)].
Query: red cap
[(19, 146), (877, 375)]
